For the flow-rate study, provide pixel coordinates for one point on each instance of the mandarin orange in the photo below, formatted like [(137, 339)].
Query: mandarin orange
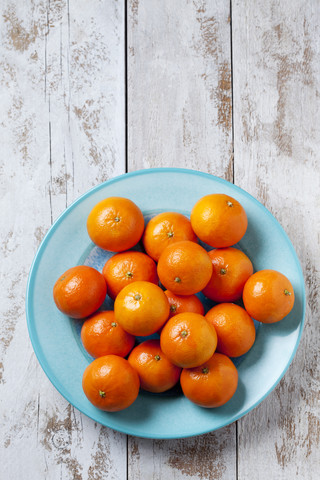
[(110, 383), (165, 229), (188, 340), (157, 374), (128, 267), (219, 220), (79, 291), (141, 308), (235, 329), (211, 384), (115, 224), (231, 270), (184, 268), (268, 296), (186, 303), (102, 335)]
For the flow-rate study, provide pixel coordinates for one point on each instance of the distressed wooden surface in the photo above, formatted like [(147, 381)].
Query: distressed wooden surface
[(62, 132), (179, 85), (72, 74), (180, 114), (276, 65)]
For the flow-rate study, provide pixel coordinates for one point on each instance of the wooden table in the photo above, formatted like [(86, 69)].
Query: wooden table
[(92, 89)]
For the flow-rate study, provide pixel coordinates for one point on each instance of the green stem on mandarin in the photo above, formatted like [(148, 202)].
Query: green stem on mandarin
[(157, 357), (137, 297), (205, 370), (223, 271), (113, 324), (129, 274), (173, 308), (177, 280), (170, 234), (286, 292), (184, 333), (102, 394)]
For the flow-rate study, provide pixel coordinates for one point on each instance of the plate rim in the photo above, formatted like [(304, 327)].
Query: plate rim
[(37, 257)]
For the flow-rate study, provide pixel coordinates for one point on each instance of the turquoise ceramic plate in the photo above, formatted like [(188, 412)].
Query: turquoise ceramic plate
[(55, 337)]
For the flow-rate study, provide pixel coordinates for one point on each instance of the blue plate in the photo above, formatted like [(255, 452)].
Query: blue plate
[(55, 337)]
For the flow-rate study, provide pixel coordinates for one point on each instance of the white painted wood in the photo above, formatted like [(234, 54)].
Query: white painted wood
[(179, 114), (276, 65), (204, 457), (62, 131), (179, 85)]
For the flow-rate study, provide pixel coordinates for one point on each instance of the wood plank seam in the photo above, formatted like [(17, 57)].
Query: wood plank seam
[(233, 181), (180, 103)]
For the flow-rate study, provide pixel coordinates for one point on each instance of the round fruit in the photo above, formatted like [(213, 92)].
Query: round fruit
[(219, 220), (115, 224), (188, 340), (157, 374), (165, 229), (128, 267), (79, 291), (102, 335), (212, 384), (184, 268), (231, 270), (181, 304), (141, 308), (268, 296), (235, 329), (110, 383)]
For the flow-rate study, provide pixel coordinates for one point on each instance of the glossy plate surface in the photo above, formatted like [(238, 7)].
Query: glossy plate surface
[(55, 337)]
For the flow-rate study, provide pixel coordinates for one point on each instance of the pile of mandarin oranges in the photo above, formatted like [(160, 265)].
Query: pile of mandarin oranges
[(155, 293)]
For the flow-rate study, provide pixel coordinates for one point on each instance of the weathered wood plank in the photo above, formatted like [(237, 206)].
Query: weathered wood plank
[(276, 65), (179, 85), (210, 456), (180, 114), (62, 132)]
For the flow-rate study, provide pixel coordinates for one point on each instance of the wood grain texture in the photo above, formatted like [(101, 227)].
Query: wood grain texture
[(180, 114), (179, 85), (276, 65), (204, 457), (62, 132)]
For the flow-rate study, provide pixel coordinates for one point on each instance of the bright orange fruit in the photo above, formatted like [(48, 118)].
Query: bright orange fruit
[(157, 374), (231, 270), (79, 291), (219, 220), (268, 296), (115, 224), (235, 329), (128, 267), (211, 384), (141, 308), (164, 230), (102, 335), (184, 268), (186, 303), (110, 383), (188, 340)]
